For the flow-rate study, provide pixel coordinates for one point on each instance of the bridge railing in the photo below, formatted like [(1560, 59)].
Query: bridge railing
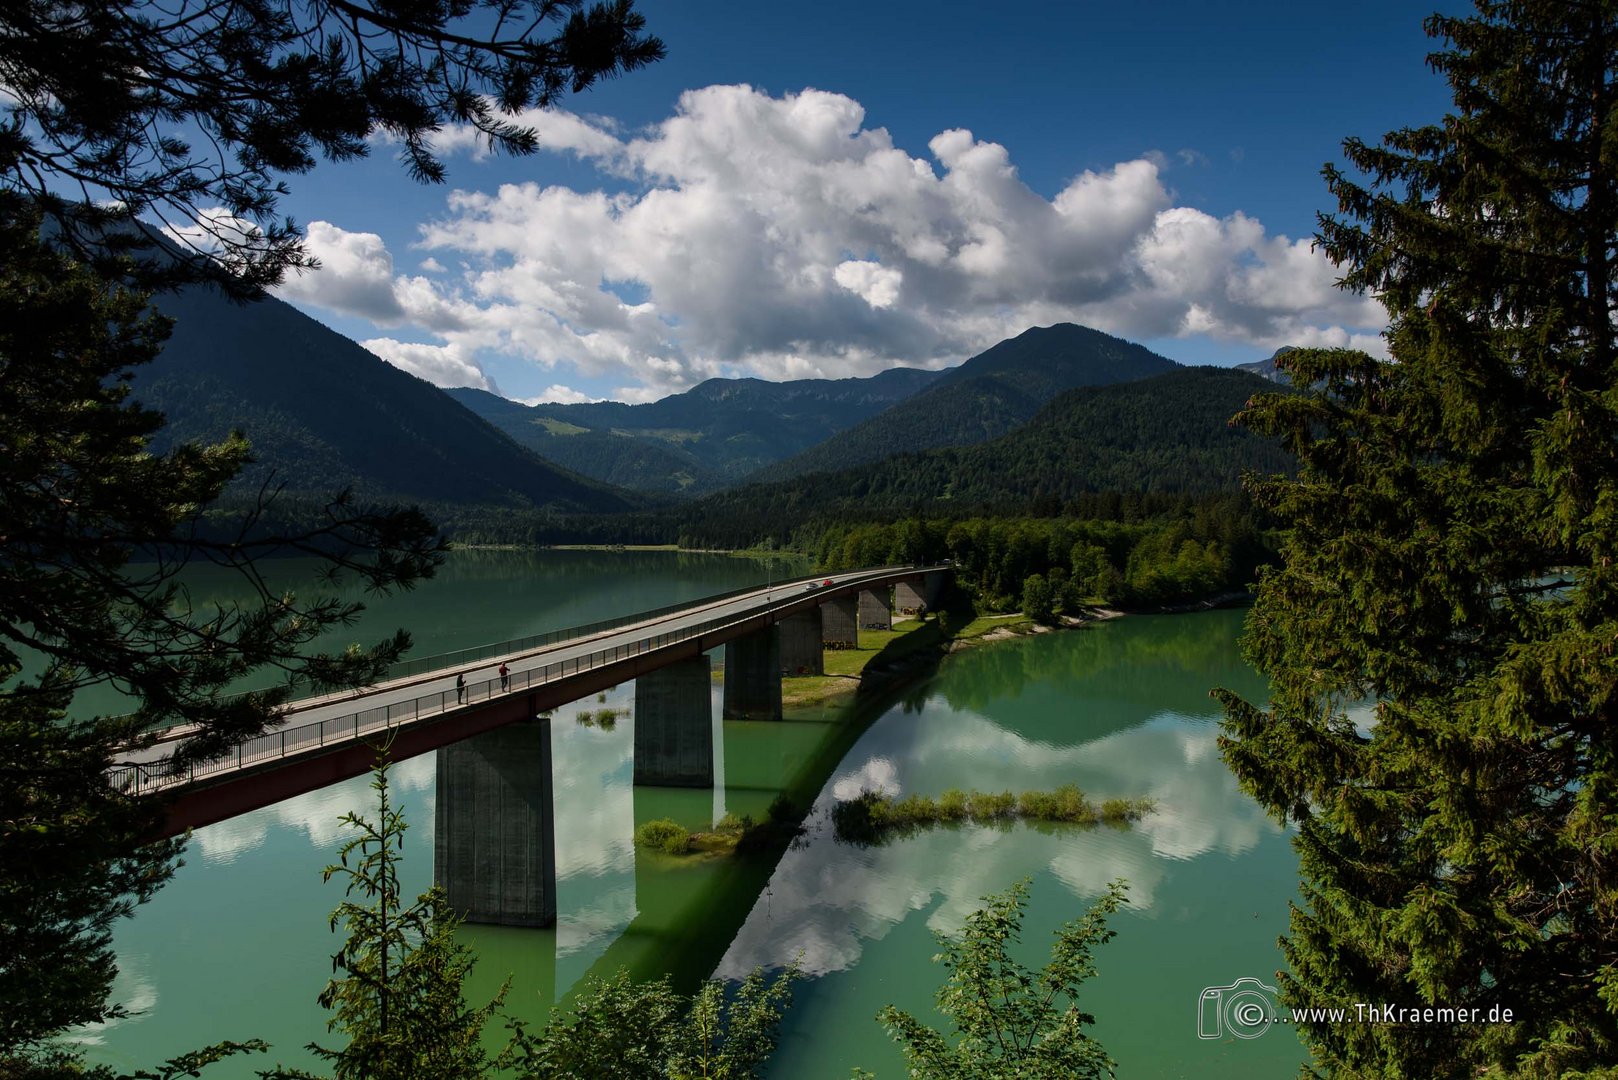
[(458, 657), (403, 669), (145, 779)]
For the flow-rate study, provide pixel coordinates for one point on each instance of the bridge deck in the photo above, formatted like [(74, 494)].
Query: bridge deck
[(542, 677)]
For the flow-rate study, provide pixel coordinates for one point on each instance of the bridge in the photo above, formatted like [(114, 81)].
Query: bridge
[(494, 838)]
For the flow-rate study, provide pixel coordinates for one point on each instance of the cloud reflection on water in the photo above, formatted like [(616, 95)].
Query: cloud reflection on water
[(827, 899)]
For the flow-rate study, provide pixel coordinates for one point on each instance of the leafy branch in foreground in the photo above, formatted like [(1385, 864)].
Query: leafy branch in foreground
[(95, 532), (399, 998), (181, 117), (1009, 1023)]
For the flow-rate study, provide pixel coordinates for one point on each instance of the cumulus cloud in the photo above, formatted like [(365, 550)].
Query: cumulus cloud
[(441, 365), (355, 275), (557, 394), (784, 237), (872, 282)]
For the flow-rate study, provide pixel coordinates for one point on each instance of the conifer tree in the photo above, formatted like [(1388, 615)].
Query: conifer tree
[(1441, 633), (181, 118), (398, 995)]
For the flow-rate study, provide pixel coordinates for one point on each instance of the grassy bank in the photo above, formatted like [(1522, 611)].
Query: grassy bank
[(845, 669)]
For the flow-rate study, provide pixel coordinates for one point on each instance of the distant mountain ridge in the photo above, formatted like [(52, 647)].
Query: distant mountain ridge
[(1267, 368), (985, 397), (324, 414), (1168, 434), (713, 434)]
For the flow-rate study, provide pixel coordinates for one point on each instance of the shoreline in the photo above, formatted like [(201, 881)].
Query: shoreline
[(846, 669), (740, 553), (837, 687)]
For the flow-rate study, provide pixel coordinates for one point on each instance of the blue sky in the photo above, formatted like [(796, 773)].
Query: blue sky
[(793, 192)]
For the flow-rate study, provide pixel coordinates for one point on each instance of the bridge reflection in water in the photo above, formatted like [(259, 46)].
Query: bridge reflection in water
[(495, 845)]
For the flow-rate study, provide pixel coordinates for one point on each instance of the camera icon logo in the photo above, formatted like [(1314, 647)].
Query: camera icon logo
[(1244, 1009)]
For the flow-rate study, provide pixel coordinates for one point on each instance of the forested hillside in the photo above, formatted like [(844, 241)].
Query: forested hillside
[(647, 464), (1168, 435), (986, 397), (324, 414), (711, 435)]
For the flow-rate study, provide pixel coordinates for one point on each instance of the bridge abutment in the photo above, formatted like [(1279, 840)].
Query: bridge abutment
[(874, 612), (801, 652), (840, 622), (674, 725), (753, 676), (494, 844)]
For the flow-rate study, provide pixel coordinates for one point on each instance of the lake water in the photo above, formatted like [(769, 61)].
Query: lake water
[(237, 945)]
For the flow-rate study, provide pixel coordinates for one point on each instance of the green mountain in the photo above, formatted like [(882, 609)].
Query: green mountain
[(986, 397), (647, 464), (1167, 435), (326, 414), (711, 435)]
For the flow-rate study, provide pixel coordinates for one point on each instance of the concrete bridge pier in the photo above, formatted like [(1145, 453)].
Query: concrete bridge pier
[(840, 622), (801, 638), (874, 612), (494, 846), (674, 725), (753, 676), (908, 597)]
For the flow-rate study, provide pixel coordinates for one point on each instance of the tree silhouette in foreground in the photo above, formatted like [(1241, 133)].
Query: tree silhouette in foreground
[(94, 535), (182, 116), (1448, 557)]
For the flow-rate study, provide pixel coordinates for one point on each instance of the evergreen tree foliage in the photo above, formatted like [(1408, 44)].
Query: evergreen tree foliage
[(94, 532), (1008, 1022), (97, 529), (398, 997), (188, 112), (70, 869), (120, 120), (1448, 562)]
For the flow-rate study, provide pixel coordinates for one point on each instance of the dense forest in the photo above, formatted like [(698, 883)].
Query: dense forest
[(1048, 565)]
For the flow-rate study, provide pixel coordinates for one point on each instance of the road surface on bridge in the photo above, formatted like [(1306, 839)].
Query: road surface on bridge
[(313, 724)]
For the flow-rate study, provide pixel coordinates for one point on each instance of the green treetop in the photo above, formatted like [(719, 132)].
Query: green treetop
[(1448, 561)]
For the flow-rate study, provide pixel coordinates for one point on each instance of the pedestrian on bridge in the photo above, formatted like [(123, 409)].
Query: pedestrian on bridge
[(460, 687), (505, 676)]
